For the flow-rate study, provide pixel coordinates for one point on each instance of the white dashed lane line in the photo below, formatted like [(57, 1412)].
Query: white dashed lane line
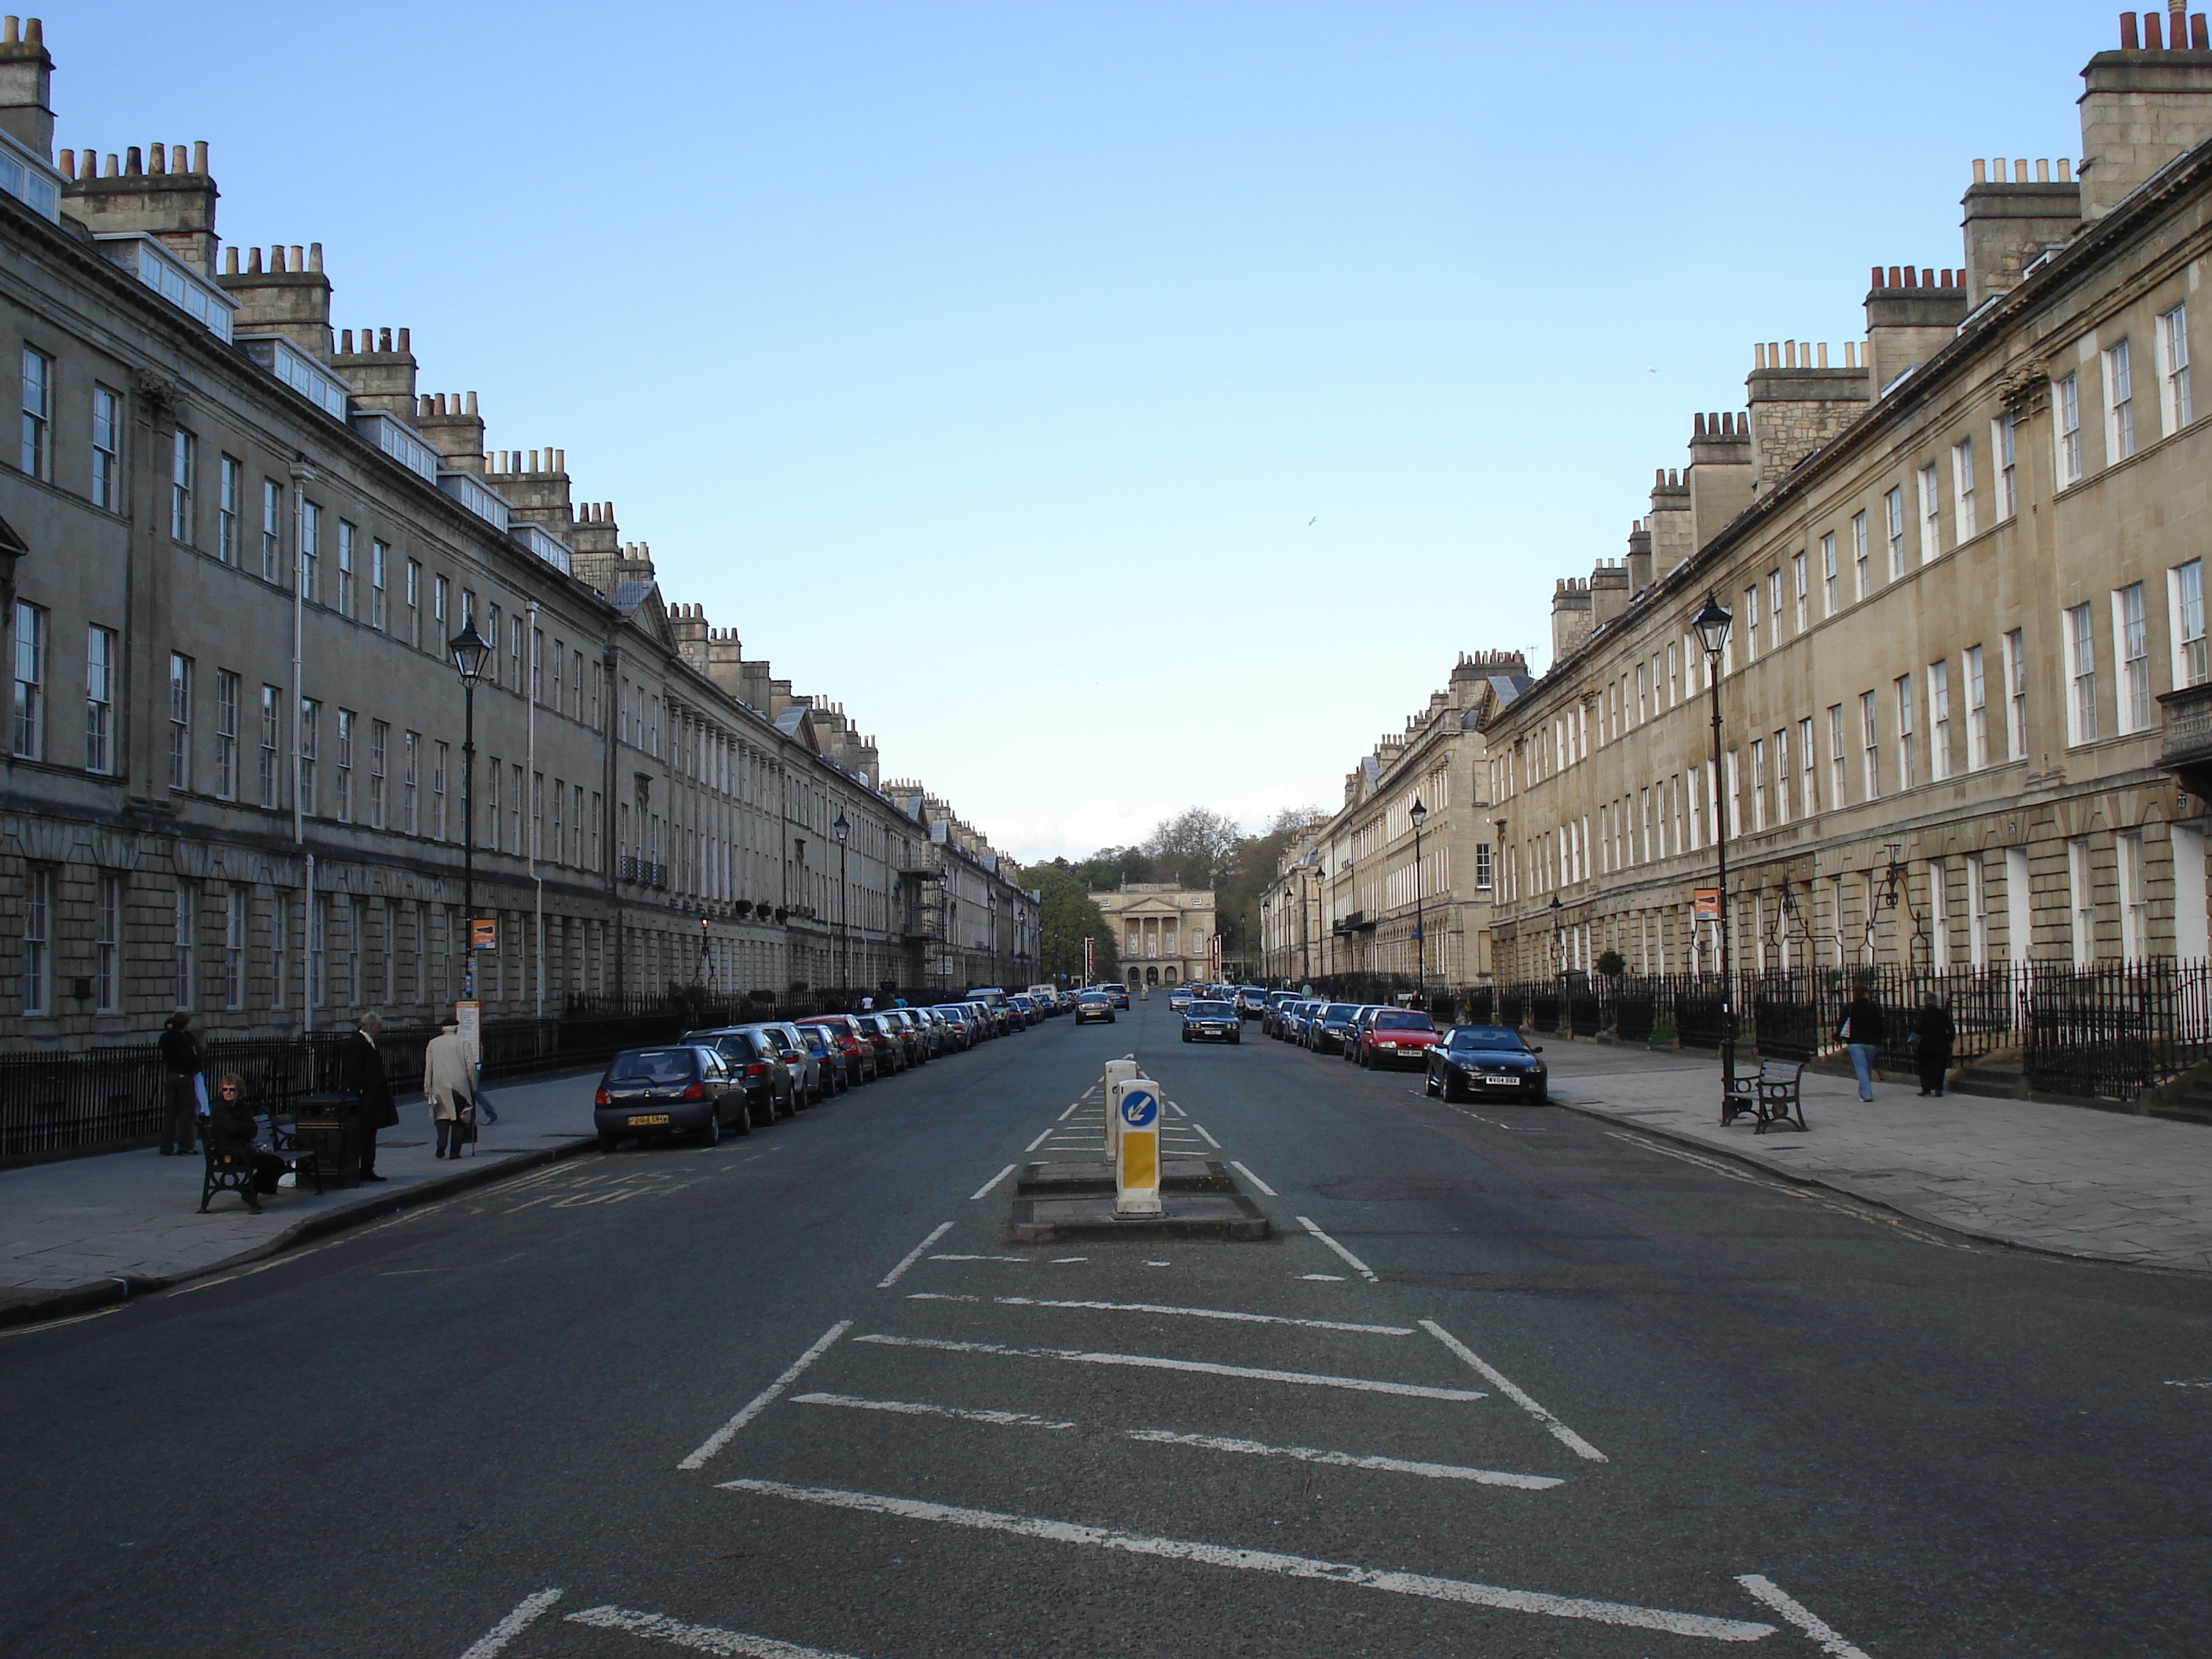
[(983, 1189), (915, 1408), (1152, 1362)]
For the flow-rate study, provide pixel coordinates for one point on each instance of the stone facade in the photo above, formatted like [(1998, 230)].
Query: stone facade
[(1967, 658), (1166, 933), (235, 544), (1347, 899)]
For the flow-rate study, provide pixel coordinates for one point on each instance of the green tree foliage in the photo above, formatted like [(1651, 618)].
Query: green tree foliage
[(1068, 915), (1194, 848), (1108, 867), (1247, 874)]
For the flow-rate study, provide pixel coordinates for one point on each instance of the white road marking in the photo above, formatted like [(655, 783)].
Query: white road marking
[(1346, 1461), (1253, 1179), (1356, 1265), (1210, 1140), (1176, 1109), (992, 1182), (1148, 1361), (978, 1258), (1326, 1279), (700, 1638), (910, 1258), (1289, 1566), (1058, 1259), (913, 1408), (1038, 1142), (767, 1397), (1187, 1313), (526, 1612), (1559, 1432), (1797, 1614), (1073, 1107)]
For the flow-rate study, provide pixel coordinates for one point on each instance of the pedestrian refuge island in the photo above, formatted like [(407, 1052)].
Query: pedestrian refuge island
[(1135, 1190)]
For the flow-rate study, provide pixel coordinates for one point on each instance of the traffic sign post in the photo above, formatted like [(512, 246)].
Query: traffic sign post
[(1136, 1105), (1118, 1071)]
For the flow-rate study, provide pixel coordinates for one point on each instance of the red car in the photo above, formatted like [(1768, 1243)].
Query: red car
[(1397, 1036), (851, 1041)]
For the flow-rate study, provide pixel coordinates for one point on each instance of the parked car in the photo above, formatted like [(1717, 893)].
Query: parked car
[(1293, 1023), (1271, 1022), (1212, 1022), (943, 1036), (965, 1020), (1397, 1036), (1181, 997), (890, 1049), (1329, 1025), (745, 1045), (845, 1030), (836, 1066), (1025, 1010), (908, 1032), (681, 1088), (1251, 1002), (1360, 1016), (1093, 1005), (1120, 995), (1486, 1059), (809, 1082)]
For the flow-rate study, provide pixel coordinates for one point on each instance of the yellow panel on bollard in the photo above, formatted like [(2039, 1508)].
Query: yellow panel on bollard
[(1137, 1152), (1118, 1071)]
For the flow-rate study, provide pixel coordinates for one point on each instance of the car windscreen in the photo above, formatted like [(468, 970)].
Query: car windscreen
[(654, 1066), (1400, 1019), (1482, 1037), (1211, 1010), (1340, 1010)]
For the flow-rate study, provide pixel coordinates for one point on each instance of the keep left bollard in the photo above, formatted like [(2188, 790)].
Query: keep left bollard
[(1137, 1152), (1118, 1071)]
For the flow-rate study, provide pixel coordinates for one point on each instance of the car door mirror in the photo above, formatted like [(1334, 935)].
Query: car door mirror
[(1537, 1050)]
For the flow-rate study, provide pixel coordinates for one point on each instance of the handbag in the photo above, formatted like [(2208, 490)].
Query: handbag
[(199, 1094)]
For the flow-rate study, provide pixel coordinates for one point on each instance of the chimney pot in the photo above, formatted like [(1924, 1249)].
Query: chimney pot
[(2150, 35), (404, 344), (230, 262), (200, 157), (2127, 40)]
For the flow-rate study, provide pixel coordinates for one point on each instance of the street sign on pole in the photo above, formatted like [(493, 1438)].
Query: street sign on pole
[(1090, 959), (469, 1016), (483, 933)]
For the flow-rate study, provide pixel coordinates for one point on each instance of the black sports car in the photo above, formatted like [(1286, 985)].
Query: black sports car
[(1485, 1059)]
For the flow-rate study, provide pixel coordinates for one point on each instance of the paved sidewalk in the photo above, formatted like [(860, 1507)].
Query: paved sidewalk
[(2067, 1179), (92, 1228)]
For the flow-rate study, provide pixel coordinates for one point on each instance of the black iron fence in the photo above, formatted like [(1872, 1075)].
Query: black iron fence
[(2108, 1030)]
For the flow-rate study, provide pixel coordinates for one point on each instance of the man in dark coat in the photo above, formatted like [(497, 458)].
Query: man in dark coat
[(1862, 1033), (1931, 1045), (360, 1074), (180, 1073)]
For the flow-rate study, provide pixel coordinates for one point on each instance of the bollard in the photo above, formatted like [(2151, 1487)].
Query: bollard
[(1137, 1152), (1117, 1071)]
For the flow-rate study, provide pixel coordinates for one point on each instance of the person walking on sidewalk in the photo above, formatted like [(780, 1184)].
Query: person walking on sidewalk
[(1932, 1033), (180, 1084), (1862, 1032), (448, 1082), (360, 1074)]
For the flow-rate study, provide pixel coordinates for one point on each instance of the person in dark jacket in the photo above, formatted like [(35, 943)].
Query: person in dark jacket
[(231, 1130), (181, 1095), (360, 1074), (1932, 1033), (1862, 1032)]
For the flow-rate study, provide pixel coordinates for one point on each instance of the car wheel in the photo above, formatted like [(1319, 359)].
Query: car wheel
[(761, 1117), (742, 1124), (608, 1143), (1429, 1084), (1539, 1095), (1186, 1038), (1239, 1038), (1454, 1086), (711, 1133)]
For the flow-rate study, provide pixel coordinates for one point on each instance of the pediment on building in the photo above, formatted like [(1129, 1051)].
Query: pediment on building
[(642, 602), (797, 722)]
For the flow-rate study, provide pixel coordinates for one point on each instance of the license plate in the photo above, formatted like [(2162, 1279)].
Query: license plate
[(1499, 1082), (640, 1120)]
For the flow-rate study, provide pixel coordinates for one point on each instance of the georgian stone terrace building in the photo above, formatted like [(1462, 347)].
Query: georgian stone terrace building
[(1967, 569), (235, 544)]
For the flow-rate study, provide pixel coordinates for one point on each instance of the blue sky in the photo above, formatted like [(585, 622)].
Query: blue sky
[(1115, 406)]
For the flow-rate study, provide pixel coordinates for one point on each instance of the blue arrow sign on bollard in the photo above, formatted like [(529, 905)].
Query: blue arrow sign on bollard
[(1139, 1107)]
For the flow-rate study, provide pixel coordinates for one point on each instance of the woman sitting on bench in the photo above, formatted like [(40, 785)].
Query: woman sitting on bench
[(231, 1129)]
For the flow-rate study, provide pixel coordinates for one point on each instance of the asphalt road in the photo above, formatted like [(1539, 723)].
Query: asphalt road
[(1545, 1387)]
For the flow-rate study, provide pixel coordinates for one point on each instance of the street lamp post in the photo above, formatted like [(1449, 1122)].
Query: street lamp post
[(1711, 625), (842, 829), (1419, 814), (471, 653)]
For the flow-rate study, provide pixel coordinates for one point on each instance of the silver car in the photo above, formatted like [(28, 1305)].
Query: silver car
[(810, 1083)]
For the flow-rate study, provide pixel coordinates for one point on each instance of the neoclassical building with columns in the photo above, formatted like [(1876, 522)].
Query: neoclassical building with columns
[(1166, 932)]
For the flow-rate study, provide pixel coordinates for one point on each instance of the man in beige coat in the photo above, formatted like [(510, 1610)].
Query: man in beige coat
[(449, 1085)]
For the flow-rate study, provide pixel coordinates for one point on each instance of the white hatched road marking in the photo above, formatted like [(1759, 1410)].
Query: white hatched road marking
[(976, 1258), (1348, 1461), (1361, 1384), (1253, 1179), (1559, 1432), (915, 1408), (1038, 1142), (526, 1612), (1210, 1140), (1161, 1307), (1073, 1107), (1766, 1590), (911, 1257), (1356, 1265), (700, 1638), (992, 1182), (1290, 1566), (767, 1397)]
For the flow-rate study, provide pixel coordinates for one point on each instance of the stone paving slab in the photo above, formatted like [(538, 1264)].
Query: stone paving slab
[(90, 1230), (2065, 1179)]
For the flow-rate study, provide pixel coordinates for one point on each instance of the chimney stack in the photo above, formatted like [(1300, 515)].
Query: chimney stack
[(2142, 105), (27, 86)]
